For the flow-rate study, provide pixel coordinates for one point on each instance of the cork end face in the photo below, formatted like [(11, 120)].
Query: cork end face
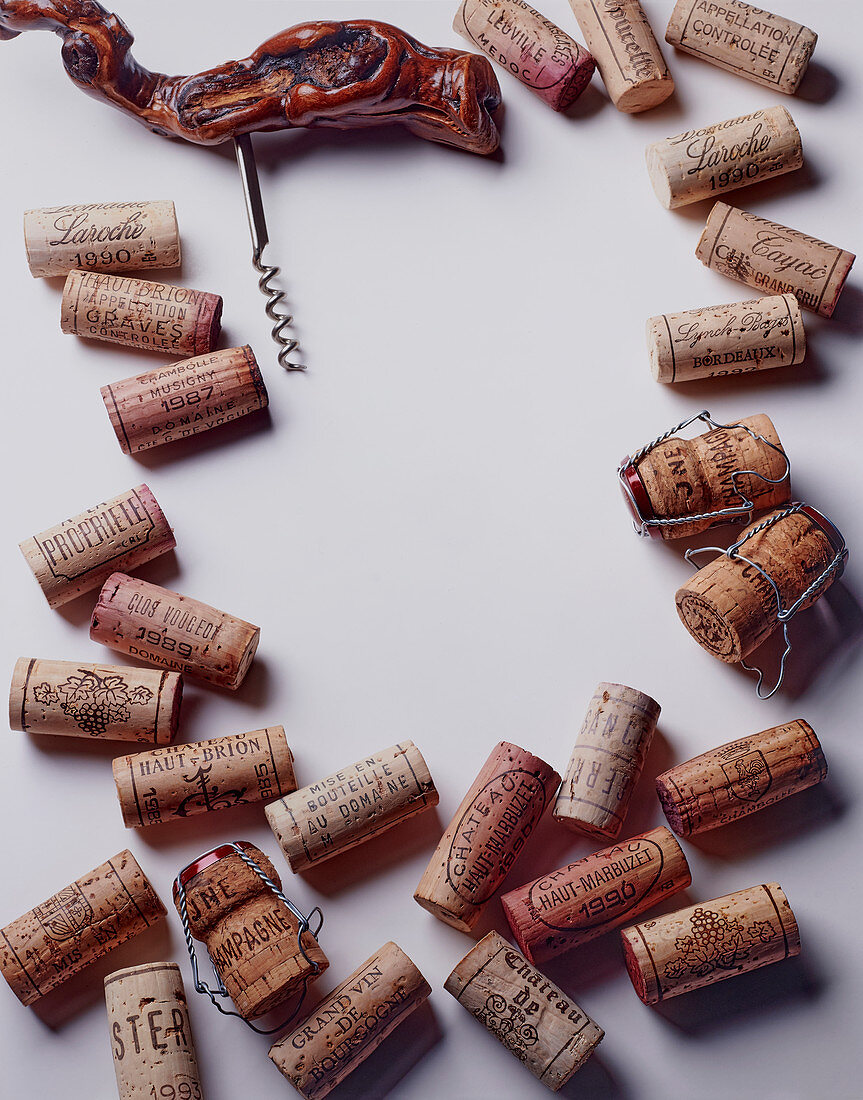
[(645, 94), (246, 660), (633, 963), (672, 811), (209, 324), (444, 915), (168, 731), (707, 626), (658, 177), (659, 350)]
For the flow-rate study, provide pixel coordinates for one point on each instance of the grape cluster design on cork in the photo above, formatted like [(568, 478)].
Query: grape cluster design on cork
[(94, 701)]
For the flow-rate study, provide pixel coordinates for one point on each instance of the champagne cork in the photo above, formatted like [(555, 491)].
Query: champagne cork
[(576, 904), (710, 942), (151, 316), (721, 469), (251, 935), (80, 553), (101, 236), (720, 341), (179, 401), (526, 1012), (351, 806), (773, 258), (741, 778), (531, 47), (606, 761), (82, 699), (172, 783), (76, 927), (487, 835), (350, 1023), (164, 628), (729, 606), (750, 42), (698, 164), (627, 54), (151, 1034)]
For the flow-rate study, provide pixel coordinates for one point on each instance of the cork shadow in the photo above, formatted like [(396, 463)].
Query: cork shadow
[(848, 315), (232, 434), (254, 691), (819, 84), (670, 113), (596, 1081), (811, 372), (589, 103), (205, 830), (755, 195), (644, 810)]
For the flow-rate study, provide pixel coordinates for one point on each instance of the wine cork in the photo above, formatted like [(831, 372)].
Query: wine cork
[(486, 836), (80, 553), (250, 934), (741, 777), (720, 341), (526, 1012), (151, 316), (576, 904), (172, 783), (531, 47), (76, 927), (606, 761), (350, 1023), (627, 54), (351, 806), (750, 42), (164, 628), (719, 470), (176, 402), (710, 942), (101, 236), (82, 699), (729, 606), (773, 258), (151, 1034), (698, 164)]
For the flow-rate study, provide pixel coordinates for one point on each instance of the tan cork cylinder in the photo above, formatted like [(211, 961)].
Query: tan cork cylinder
[(80, 553), (350, 1023), (161, 627), (526, 1012), (606, 761), (181, 781), (726, 340), (184, 399), (698, 164), (351, 806), (729, 608), (250, 934), (743, 40), (83, 699), (486, 836), (151, 1034), (710, 942), (531, 47), (773, 258), (78, 925), (578, 903), (172, 320), (101, 236), (627, 54), (741, 777)]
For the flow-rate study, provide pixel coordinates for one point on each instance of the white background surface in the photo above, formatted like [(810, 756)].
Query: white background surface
[(428, 530)]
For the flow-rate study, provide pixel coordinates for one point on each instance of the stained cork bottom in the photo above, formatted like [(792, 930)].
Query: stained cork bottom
[(671, 809), (633, 961), (444, 915), (208, 325)]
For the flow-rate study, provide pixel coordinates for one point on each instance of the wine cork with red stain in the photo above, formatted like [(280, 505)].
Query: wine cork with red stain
[(729, 606), (76, 927), (82, 699), (350, 1023), (151, 1034), (351, 806), (606, 761), (150, 316), (627, 54), (101, 236), (576, 904), (251, 935), (486, 836), (164, 628), (182, 781), (79, 554), (710, 942), (773, 258), (542, 56), (749, 42), (741, 777), (534, 1020)]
